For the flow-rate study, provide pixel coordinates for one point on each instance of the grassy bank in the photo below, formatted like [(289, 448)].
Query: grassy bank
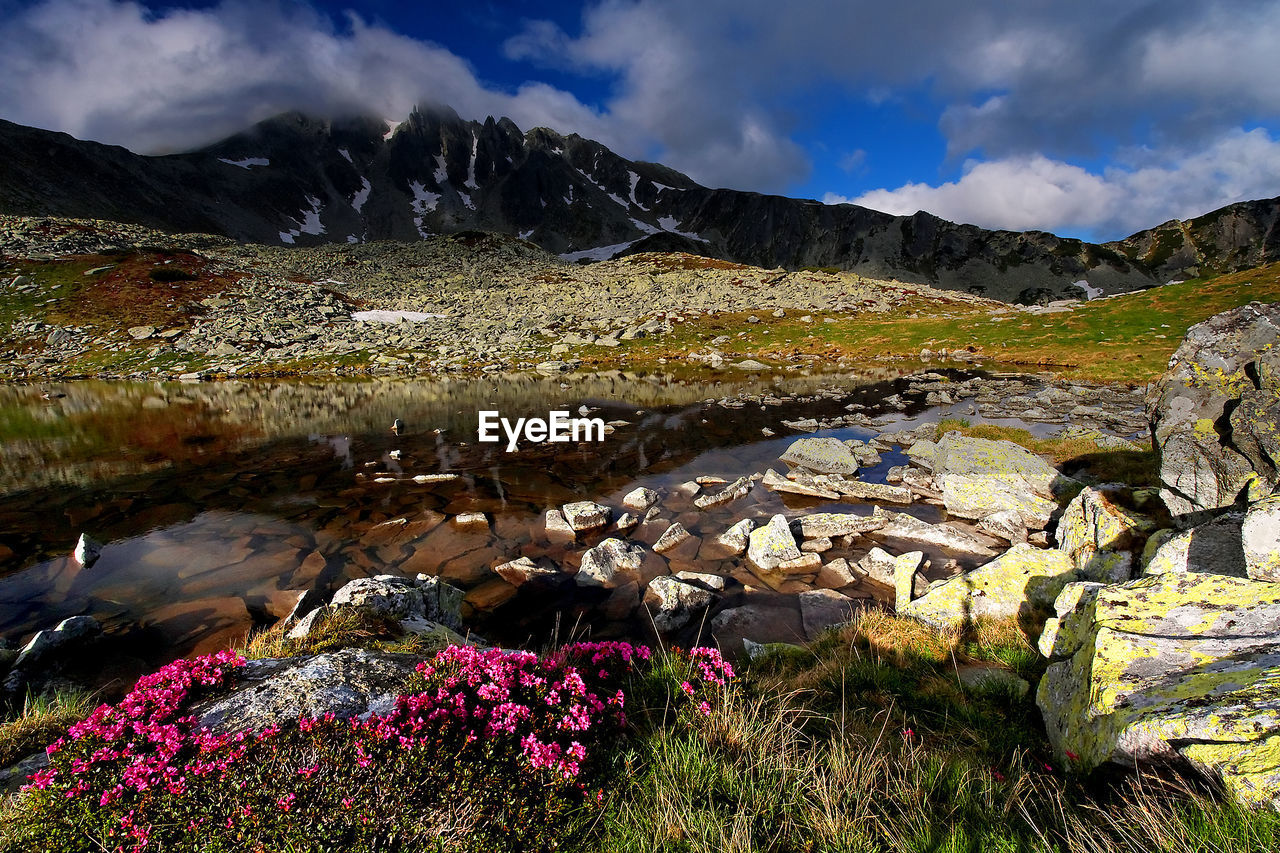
[(885, 735)]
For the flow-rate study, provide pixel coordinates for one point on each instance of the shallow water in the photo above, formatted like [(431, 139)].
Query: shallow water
[(218, 502)]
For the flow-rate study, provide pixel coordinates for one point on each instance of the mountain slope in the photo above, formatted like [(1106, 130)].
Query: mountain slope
[(299, 180)]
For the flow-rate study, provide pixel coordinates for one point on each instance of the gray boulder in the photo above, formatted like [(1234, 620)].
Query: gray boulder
[(407, 600), (1214, 412)]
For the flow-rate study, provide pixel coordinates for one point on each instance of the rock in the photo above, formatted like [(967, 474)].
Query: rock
[(640, 500), (277, 691), (908, 528), (737, 489), (308, 623), (773, 480), (978, 477), (821, 609), (861, 491), (557, 528), (1064, 633), (585, 515), (473, 521), (610, 564), (139, 333), (674, 536), (821, 455), (829, 525), (1174, 667), (307, 601), (1214, 547), (772, 619), (522, 570), (1214, 413), (672, 603), (736, 538), (1012, 585), (490, 595), (1101, 536), (835, 575), (905, 567), (53, 641), (1006, 524), (715, 582), (816, 546), (1260, 538), (802, 565), (424, 599), (984, 679), (771, 545), (87, 550), (626, 522)]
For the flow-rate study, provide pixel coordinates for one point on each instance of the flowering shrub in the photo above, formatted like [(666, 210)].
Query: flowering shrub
[(490, 746)]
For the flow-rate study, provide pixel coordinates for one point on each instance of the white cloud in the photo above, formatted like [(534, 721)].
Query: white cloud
[(1144, 189)]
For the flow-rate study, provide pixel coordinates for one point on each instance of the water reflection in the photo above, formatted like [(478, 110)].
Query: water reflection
[(219, 502)]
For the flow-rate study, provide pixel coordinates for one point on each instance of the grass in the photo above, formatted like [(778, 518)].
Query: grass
[(1127, 338), (866, 740), (341, 629), (43, 719)]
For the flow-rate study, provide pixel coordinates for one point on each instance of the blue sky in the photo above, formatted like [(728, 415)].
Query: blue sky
[(1086, 118)]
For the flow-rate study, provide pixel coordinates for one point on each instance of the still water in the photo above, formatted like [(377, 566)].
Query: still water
[(218, 502)]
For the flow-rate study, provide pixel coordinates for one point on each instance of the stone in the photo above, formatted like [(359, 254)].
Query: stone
[(821, 455), (816, 546), (715, 582), (908, 528), (277, 691), (731, 492), (978, 477), (626, 522), (308, 623), (557, 528), (490, 595), (1260, 539), (905, 567), (421, 599), (306, 601), (87, 550), (773, 480), (585, 515), (1101, 536), (1015, 584), (821, 609), (1006, 524), (522, 570), (674, 536), (835, 575), (610, 564), (672, 603), (1215, 414), (762, 619), (802, 565), (472, 521), (736, 538), (53, 641), (771, 545), (861, 491), (639, 500), (139, 333), (1214, 547), (923, 453), (1177, 667), (829, 525)]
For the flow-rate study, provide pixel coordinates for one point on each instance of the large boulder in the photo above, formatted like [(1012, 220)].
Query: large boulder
[(821, 456), (1213, 547), (1215, 414), (1015, 584), (1260, 539), (408, 600), (672, 602), (978, 477), (1174, 667)]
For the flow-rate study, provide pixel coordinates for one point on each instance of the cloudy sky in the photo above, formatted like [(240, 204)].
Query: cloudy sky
[(1092, 119)]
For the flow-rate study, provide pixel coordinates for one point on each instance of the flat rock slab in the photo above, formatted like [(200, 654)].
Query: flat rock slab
[(1021, 579), (822, 456)]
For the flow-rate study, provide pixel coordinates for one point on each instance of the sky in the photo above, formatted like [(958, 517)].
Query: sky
[(1085, 118)]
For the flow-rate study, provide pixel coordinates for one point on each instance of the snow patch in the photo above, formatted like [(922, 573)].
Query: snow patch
[(525, 235), (668, 223), (394, 316), (600, 253), (635, 181), (345, 153), (246, 163), (362, 195), (351, 238), (1089, 291), (310, 223), (441, 174), (391, 129), (470, 182), (645, 227), (424, 201)]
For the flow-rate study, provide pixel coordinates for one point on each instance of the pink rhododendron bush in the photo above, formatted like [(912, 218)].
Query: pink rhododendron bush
[(488, 749)]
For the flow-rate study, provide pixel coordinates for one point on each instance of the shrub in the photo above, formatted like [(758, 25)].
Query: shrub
[(492, 750)]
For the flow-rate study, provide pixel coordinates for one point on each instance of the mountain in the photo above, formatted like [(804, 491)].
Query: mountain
[(296, 179)]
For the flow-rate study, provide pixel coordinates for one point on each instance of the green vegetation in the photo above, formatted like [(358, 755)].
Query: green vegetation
[(875, 738), (42, 720)]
